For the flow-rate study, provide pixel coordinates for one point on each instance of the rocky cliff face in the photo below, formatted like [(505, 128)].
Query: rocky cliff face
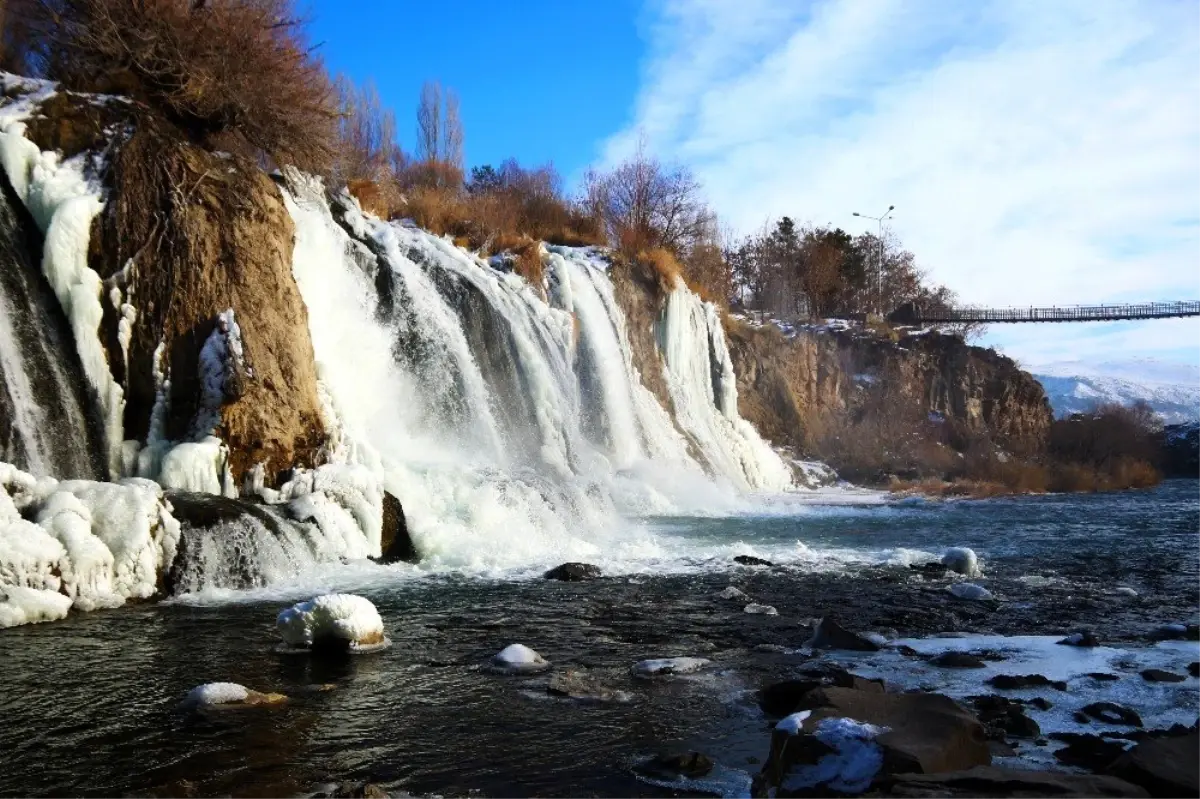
[(184, 237), (798, 389)]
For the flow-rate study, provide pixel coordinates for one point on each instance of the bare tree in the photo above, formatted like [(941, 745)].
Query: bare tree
[(645, 204), (439, 137), (366, 134)]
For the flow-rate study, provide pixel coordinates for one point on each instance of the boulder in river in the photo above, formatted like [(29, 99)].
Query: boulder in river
[(927, 733), (957, 660), (332, 623), (1010, 682), (692, 765), (1082, 638), (1159, 675), (1163, 766), (831, 635), (1194, 668), (584, 687), (1112, 713), (228, 694), (1088, 751), (395, 542), (760, 610), (1005, 717), (517, 659), (750, 560), (573, 572), (962, 560)]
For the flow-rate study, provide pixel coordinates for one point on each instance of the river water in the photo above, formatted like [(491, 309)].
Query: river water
[(90, 703)]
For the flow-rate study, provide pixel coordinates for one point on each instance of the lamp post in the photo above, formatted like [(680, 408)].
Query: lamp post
[(879, 259)]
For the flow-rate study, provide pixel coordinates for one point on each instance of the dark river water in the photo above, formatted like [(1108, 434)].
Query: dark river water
[(90, 704)]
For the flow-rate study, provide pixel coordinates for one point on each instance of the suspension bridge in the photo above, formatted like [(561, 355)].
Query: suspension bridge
[(913, 313)]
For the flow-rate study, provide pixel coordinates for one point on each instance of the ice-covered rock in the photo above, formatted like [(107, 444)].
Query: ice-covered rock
[(970, 591), (762, 610), (733, 593), (840, 755), (228, 693), (335, 621), (19, 605), (963, 561), (518, 658), (661, 667)]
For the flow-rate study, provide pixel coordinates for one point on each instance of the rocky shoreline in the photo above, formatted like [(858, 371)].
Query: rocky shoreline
[(827, 724)]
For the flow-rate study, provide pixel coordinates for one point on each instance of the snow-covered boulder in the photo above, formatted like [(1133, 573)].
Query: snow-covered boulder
[(662, 667), (226, 694), (517, 659), (962, 560), (334, 621), (762, 610)]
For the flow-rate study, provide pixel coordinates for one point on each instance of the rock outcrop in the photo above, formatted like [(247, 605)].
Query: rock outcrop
[(798, 391), (185, 236)]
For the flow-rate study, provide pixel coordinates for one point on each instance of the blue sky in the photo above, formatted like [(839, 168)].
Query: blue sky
[(1037, 152), (539, 81)]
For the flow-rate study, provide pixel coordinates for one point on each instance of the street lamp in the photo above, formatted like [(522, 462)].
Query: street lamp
[(879, 260)]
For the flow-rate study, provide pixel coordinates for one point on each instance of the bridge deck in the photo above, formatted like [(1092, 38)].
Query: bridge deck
[(1069, 313)]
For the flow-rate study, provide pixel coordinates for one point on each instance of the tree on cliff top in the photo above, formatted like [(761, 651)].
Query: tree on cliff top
[(224, 71)]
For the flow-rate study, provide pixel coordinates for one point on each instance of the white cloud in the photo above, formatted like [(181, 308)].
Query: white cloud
[(1037, 152)]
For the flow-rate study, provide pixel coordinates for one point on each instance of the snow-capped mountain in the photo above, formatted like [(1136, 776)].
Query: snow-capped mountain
[(1172, 389)]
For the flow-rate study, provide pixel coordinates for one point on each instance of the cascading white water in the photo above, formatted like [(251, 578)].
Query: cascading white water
[(552, 383), (703, 387)]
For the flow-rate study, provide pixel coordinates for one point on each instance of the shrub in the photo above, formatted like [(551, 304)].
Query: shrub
[(232, 68), (662, 265)]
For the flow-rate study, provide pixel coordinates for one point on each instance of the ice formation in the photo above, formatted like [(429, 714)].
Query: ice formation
[(518, 658), (793, 724), (962, 560), (763, 610), (333, 620), (93, 544), (63, 202)]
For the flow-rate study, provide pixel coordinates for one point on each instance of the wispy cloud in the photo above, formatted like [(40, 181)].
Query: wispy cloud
[(1037, 153)]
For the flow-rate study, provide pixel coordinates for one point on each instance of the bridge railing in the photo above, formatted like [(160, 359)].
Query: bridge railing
[(1068, 313)]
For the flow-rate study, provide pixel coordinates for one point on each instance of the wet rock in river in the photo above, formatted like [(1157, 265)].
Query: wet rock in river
[(733, 593), (692, 765), (1003, 716), (1083, 638), (1009, 682), (831, 635), (1163, 766), (1159, 675), (1088, 751), (760, 610), (750, 560), (573, 572), (957, 660), (584, 687), (1112, 713)]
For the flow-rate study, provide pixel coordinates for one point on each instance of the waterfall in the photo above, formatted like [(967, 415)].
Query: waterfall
[(515, 431), (46, 428)]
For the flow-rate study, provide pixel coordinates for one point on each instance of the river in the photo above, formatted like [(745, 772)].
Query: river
[(90, 704)]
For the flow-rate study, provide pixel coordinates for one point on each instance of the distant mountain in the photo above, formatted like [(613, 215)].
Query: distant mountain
[(1172, 389)]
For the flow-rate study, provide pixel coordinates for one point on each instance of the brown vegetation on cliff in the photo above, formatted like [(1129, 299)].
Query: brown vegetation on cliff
[(184, 236)]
